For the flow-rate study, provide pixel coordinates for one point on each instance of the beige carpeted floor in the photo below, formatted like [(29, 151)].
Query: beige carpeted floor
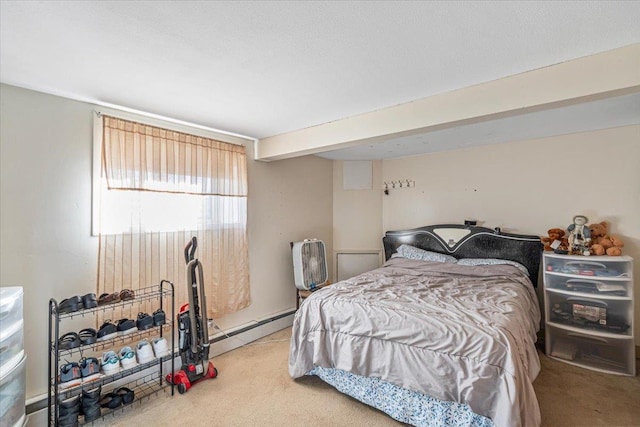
[(254, 389)]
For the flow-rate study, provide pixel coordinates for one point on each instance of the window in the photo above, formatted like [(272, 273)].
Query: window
[(156, 189)]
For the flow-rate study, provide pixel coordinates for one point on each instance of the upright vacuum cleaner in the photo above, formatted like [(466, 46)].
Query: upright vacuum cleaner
[(192, 328)]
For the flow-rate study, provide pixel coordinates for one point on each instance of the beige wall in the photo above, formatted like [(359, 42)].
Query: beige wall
[(45, 222), (526, 187)]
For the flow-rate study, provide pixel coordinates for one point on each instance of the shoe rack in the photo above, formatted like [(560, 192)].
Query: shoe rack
[(144, 379)]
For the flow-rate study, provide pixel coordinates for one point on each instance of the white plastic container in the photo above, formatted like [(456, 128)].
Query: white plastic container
[(10, 306), (13, 390), (11, 341)]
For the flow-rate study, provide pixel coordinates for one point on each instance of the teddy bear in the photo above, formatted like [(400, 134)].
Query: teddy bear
[(553, 235), (602, 243)]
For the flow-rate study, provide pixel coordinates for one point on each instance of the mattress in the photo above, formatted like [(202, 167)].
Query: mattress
[(462, 334)]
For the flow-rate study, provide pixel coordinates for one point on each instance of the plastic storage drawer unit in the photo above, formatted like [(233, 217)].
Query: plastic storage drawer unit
[(12, 391), (597, 352), (10, 306), (11, 341)]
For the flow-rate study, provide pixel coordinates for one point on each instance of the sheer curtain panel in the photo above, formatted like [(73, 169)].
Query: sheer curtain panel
[(159, 188)]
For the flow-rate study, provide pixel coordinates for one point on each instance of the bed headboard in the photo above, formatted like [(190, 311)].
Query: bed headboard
[(463, 241)]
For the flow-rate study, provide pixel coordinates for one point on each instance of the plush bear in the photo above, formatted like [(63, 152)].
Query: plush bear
[(553, 235), (602, 243)]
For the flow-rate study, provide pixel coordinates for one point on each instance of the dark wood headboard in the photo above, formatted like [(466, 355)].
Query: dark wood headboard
[(480, 242)]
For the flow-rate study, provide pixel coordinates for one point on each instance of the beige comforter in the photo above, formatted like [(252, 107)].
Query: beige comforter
[(454, 332)]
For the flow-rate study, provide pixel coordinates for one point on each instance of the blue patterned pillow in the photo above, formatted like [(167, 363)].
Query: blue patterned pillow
[(492, 261), (411, 252)]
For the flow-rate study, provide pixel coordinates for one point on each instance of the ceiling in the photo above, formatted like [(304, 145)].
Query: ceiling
[(262, 68)]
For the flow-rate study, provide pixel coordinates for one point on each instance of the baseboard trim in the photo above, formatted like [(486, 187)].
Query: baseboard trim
[(219, 343)]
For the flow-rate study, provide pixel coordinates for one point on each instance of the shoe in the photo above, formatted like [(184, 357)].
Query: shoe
[(110, 400), (110, 363), (88, 336), (107, 331), (126, 326), (68, 341), (159, 317), (127, 358), (90, 369), (160, 347), (69, 406), (144, 322), (90, 406), (91, 413), (144, 352), (69, 420), (127, 294), (89, 301), (70, 375), (70, 305), (108, 298), (126, 394)]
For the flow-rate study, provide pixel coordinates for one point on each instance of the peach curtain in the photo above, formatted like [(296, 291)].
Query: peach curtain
[(161, 188)]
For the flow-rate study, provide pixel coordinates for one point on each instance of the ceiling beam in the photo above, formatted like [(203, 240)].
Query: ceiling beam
[(611, 73)]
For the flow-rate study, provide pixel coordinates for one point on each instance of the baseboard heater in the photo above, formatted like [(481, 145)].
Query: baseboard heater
[(40, 402)]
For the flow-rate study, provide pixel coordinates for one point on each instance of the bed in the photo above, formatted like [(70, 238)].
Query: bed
[(442, 334)]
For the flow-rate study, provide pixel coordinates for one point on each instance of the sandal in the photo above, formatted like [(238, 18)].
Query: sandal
[(69, 305), (89, 301), (107, 330), (108, 298), (126, 326), (88, 336), (110, 400), (127, 294), (68, 341), (126, 395)]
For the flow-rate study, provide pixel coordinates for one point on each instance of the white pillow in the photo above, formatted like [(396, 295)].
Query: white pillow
[(492, 261), (411, 252)]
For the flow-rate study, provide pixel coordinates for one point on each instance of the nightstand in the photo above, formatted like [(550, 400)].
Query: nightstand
[(301, 295)]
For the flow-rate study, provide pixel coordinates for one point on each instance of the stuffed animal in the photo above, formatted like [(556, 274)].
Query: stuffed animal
[(553, 235), (602, 243)]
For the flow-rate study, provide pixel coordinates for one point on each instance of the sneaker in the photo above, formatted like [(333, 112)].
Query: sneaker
[(144, 352), (127, 358), (90, 369), (144, 322), (110, 363), (70, 375), (159, 318), (160, 347), (126, 326)]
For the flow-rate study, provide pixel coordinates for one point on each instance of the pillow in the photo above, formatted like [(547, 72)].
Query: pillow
[(492, 261), (411, 252)]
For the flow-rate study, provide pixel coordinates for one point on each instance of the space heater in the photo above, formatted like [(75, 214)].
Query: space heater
[(309, 264)]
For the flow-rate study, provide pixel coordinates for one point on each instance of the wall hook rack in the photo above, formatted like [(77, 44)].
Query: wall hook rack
[(400, 183)]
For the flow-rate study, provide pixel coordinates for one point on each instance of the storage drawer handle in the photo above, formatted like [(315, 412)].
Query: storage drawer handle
[(591, 282), (582, 299), (587, 337), (591, 263)]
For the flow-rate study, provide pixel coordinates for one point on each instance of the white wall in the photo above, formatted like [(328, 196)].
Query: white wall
[(357, 221), (526, 187), (45, 223)]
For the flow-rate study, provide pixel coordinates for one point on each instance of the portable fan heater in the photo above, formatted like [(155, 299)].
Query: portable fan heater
[(309, 264)]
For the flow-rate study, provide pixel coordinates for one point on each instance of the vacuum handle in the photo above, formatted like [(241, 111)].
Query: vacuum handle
[(190, 249)]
